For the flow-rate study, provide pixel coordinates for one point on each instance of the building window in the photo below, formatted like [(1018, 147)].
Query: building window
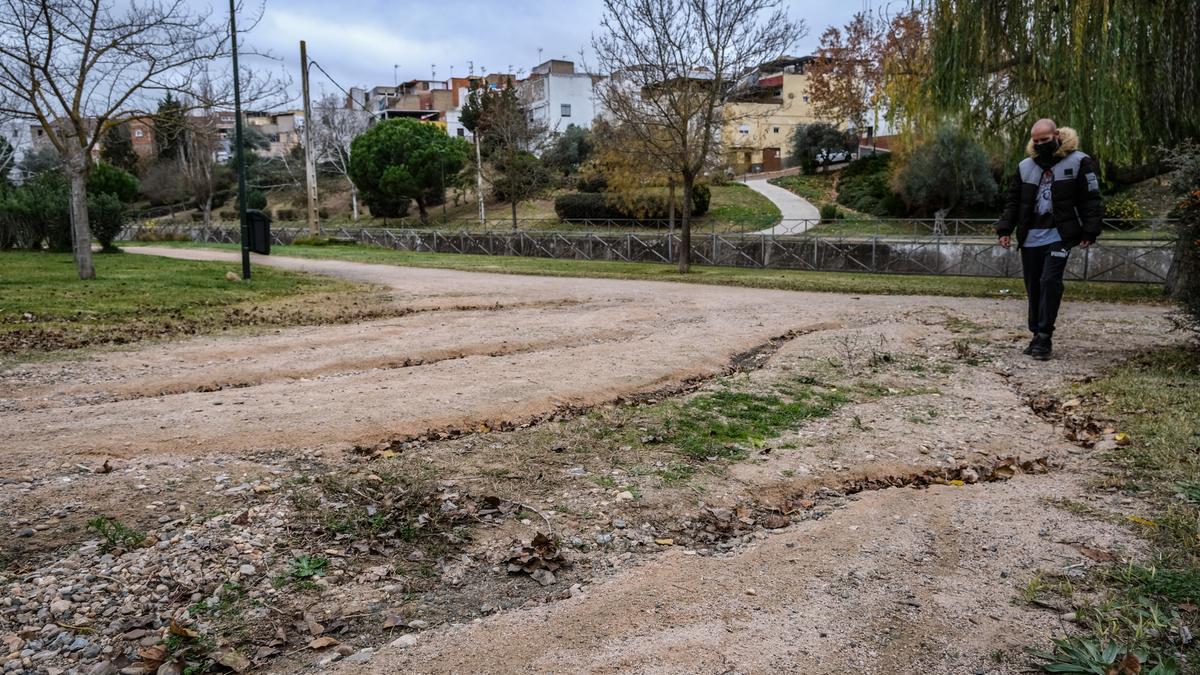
[(776, 129), (461, 132), (138, 133), (806, 98), (566, 110), (744, 129)]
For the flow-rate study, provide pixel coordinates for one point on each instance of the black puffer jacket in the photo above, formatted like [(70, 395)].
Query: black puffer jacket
[(1075, 194)]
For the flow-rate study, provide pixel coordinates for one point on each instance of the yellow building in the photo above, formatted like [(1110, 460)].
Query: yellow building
[(759, 120)]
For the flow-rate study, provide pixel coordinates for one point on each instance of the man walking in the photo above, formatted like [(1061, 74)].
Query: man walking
[(1053, 205)]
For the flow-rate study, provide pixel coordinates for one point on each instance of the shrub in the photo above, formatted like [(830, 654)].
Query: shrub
[(864, 185), (108, 179), (830, 213), (285, 214), (255, 199), (1185, 275), (1122, 208), (632, 206), (388, 207), (701, 197), (820, 144), (322, 213), (106, 217), (947, 173), (586, 206), (36, 212)]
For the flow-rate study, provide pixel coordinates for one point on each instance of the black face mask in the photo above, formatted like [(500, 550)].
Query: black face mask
[(1046, 150)]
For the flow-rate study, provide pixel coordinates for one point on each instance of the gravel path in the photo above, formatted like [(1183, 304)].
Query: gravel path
[(798, 213)]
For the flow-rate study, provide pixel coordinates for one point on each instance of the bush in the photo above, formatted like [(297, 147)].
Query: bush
[(309, 240), (285, 214), (106, 217), (865, 186), (635, 206), (830, 213), (255, 199), (322, 213), (947, 173), (592, 180), (1186, 278), (108, 179), (701, 197), (36, 212), (820, 144), (586, 206), (383, 207), (1122, 208)]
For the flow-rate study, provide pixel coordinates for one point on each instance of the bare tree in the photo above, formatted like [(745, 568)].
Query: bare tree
[(672, 63), (75, 66), (334, 128)]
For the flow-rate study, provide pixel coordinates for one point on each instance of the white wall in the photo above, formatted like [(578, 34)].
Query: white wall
[(574, 91)]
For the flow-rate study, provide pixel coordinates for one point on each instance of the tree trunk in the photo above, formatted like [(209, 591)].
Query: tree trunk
[(208, 211), (353, 202), (421, 210), (479, 177), (514, 214), (685, 226), (671, 204), (1177, 275), (81, 234)]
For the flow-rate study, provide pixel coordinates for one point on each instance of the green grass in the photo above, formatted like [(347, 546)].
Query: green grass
[(722, 424), (791, 280), (1139, 605), (743, 208), (44, 306)]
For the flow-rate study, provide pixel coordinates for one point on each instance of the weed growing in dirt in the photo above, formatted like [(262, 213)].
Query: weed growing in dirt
[(722, 424), (307, 566), (1080, 655), (116, 534)]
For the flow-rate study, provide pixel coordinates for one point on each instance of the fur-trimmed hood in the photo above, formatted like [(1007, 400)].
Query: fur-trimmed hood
[(1068, 143)]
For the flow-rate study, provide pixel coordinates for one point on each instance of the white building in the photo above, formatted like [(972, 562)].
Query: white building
[(557, 96)]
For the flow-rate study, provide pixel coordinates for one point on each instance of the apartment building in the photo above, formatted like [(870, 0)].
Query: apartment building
[(760, 115), (557, 96)]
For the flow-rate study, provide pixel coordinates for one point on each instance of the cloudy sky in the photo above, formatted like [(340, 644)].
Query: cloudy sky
[(359, 41)]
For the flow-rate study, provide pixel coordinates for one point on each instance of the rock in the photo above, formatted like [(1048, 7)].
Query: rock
[(405, 641), (619, 522), (60, 607), (418, 624), (604, 538), (247, 570), (969, 475), (543, 577), (170, 668), (361, 656), (624, 496), (25, 532), (77, 644), (576, 591)]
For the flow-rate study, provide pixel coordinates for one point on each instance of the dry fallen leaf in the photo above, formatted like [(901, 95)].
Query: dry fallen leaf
[(1121, 438), (1142, 521), (394, 622), (322, 642), (1099, 555), (179, 629), (233, 660)]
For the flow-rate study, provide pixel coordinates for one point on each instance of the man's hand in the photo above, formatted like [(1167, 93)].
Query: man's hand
[(1005, 242), (1085, 243)]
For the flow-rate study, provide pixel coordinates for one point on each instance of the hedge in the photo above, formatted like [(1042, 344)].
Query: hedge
[(645, 206)]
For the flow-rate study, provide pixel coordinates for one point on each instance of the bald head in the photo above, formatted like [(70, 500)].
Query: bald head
[(1044, 130)]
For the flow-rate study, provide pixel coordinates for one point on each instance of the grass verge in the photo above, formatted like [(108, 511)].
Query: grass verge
[(45, 307), (789, 280), (1146, 607)]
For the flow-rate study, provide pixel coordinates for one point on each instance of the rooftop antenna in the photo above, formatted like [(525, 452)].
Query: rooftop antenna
[(451, 72), (396, 75), (433, 70), (471, 68), (539, 55)]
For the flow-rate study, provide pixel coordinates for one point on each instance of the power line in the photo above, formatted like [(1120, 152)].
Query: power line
[(349, 96)]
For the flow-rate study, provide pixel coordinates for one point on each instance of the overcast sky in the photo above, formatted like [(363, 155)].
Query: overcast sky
[(359, 41)]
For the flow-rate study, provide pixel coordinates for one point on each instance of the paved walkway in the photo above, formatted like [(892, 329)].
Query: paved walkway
[(798, 213)]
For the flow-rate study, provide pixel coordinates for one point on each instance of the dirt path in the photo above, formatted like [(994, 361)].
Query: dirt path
[(856, 579)]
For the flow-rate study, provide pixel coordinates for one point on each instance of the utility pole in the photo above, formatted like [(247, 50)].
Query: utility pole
[(241, 151), (310, 162)]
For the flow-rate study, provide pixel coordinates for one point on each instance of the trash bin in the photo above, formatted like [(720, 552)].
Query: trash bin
[(259, 225)]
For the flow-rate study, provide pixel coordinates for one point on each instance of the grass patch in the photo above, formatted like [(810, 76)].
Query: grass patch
[(1146, 607), (791, 280), (44, 306), (725, 424), (739, 206)]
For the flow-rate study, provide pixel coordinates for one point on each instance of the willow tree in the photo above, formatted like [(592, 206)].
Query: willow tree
[(1122, 72)]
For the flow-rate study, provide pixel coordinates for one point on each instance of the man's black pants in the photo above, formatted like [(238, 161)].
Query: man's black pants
[(1044, 267)]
